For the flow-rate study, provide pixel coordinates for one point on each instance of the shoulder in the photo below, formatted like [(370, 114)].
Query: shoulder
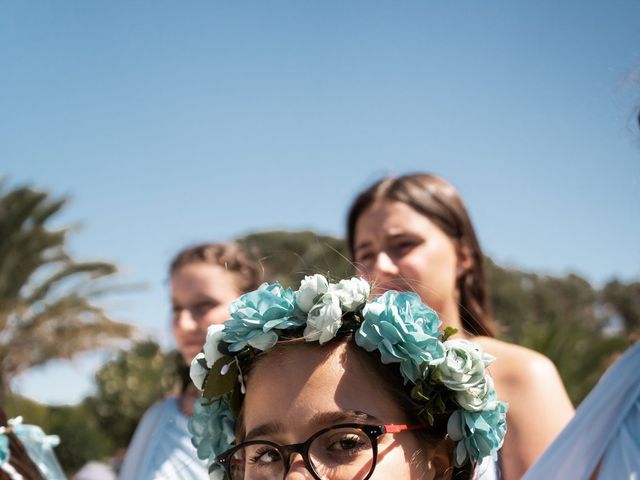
[(161, 408), (519, 367)]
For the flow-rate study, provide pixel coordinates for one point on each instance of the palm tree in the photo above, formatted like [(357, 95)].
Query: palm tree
[(47, 299)]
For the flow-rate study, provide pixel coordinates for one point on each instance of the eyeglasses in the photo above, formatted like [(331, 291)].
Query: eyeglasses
[(343, 452)]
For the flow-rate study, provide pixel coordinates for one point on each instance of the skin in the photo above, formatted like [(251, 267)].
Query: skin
[(200, 295), (398, 248), (297, 390)]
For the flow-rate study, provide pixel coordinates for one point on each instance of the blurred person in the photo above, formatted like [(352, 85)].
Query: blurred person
[(204, 281), (325, 383), (413, 233)]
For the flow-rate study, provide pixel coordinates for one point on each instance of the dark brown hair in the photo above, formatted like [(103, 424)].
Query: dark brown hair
[(438, 200)]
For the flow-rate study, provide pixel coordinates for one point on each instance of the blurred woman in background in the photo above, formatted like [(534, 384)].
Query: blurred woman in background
[(204, 281), (413, 233)]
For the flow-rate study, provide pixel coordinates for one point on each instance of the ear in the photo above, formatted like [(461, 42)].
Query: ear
[(464, 261), (441, 460)]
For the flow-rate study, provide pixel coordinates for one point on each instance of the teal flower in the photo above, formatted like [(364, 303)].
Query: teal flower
[(4, 449), (212, 428), (404, 330), (255, 316), (478, 434)]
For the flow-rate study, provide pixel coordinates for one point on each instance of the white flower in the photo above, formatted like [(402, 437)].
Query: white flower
[(476, 398), (324, 319), (214, 337), (463, 365), (352, 293), (310, 288), (198, 372)]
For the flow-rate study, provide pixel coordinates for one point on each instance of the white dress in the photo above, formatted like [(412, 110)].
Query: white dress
[(605, 430), (161, 447)]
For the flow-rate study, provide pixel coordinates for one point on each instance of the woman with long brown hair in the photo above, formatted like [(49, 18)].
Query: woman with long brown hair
[(413, 233)]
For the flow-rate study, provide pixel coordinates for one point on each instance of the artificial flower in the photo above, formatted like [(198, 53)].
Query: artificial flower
[(212, 428), (324, 319), (476, 398), (255, 316), (310, 289), (478, 434), (352, 293), (198, 371), (463, 365), (404, 330)]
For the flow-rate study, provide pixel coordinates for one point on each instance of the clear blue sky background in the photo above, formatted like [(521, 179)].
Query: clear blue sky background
[(175, 122)]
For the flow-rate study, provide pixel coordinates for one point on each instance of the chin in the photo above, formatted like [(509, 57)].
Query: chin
[(189, 354)]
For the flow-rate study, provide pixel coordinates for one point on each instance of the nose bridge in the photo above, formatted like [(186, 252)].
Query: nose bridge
[(296, 466), (384, 263), (185, 320)]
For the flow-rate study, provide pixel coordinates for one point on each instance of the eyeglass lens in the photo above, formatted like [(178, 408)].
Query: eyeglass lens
[(338, 454)]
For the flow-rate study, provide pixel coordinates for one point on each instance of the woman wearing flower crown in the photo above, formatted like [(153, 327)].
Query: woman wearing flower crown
[(326, 383), (413, 233), (204, 281)]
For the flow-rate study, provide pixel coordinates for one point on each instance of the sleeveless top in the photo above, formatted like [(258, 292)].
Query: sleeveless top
[(161, 447)]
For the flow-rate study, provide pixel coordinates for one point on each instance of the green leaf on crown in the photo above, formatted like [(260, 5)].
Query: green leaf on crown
[(219, 384), (448, 332)]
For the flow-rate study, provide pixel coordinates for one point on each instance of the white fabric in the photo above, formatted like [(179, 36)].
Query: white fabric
[(487, 470), (161, 447), (605, 430)]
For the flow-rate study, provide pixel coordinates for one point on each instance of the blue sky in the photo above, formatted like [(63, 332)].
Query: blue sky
[(174, 122)]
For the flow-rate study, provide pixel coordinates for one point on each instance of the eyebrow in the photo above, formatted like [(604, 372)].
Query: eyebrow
[(319, 420), (390, 236)]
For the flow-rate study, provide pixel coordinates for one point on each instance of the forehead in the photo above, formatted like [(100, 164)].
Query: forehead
[(386, 218), (295, 383), (203, 278)]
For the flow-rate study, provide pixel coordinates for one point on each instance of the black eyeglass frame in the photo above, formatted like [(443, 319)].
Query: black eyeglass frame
[(373, 432)]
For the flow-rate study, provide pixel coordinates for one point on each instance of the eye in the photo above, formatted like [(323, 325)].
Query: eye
[(265, 455), (201, 308), (348, 444), (364, 256), (404, 246)]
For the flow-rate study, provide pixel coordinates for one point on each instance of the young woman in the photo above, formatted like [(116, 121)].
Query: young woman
[(413, 233), (204, 281), (324, 383)]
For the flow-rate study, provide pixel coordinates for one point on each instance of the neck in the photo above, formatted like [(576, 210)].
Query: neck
[(450, 316)]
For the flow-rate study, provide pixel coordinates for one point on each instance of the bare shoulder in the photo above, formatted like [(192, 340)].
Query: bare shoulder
[(519, 367)]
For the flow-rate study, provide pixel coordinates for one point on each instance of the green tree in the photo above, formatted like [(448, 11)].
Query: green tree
[(47, 299), (128, 385), (289, 256)]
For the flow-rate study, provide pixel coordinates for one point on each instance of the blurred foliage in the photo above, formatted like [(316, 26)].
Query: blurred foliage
[(128, 385), (289, 256), (47, 299)]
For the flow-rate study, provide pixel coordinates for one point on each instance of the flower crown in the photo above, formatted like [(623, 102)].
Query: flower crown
[(447, 376)]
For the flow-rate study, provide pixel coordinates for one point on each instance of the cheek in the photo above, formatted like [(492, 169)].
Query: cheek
[(217, 315), (394, 461)]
